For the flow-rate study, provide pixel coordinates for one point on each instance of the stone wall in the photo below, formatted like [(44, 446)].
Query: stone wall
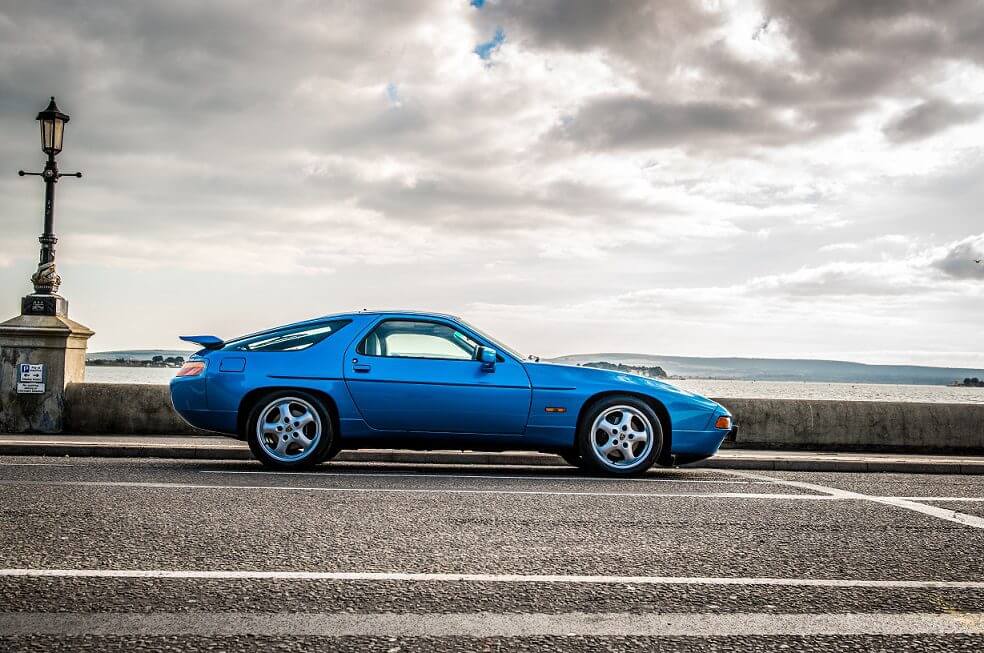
[(858, 425), (122, 409), (110, 408)]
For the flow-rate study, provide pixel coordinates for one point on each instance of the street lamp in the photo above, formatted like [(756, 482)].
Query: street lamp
[(43, 350), (52, 128), (45, 301)]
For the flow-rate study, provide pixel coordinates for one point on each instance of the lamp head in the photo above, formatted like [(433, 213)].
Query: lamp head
[(52, 128)]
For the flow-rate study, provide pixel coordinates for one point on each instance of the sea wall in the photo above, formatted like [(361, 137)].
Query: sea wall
[(122, 409), (111, 408), (858, 425)]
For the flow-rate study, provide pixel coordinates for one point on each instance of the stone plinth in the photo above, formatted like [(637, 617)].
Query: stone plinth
[(58, 344)]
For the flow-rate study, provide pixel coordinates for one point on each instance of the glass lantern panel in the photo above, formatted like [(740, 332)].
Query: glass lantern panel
[(59, 134), (47, 134)]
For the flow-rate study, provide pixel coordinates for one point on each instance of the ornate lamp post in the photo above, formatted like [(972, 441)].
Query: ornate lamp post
[(42, 351), (45, 300)]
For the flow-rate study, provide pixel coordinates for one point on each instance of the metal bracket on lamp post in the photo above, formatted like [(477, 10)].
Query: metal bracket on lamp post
[(46, 280)]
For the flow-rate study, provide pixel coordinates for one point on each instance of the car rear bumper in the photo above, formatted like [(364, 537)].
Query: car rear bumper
[(190, 402), (220, 421)]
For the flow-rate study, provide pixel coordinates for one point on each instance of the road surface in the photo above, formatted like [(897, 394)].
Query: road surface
[(111, 554)]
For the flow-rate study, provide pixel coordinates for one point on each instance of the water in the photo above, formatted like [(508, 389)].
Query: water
[(939, 394), (147, 375), (708, 387)]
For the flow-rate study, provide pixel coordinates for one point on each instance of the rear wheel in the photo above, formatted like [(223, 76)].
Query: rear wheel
[(620, 435), (290, 430)]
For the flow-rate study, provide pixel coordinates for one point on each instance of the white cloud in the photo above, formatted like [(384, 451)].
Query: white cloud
[(963, 259)]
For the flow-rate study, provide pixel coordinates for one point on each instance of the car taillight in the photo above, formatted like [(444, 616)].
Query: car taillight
[(723, 422), (191, 368)]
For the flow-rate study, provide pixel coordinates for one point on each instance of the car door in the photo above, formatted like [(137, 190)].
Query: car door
[(421, 375)]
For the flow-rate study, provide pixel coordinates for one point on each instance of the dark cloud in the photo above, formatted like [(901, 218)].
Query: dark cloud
[(963, 260), (632, 122), (582, 25), (910, 31), (844, 57), (929, 118), (849, 55)]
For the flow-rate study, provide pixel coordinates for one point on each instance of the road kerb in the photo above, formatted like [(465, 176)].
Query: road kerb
[(159, 447)]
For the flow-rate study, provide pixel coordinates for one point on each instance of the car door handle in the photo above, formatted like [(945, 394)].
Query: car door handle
[(361, 367)]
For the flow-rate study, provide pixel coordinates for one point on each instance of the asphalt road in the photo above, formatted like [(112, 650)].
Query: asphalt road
[(108, 554)]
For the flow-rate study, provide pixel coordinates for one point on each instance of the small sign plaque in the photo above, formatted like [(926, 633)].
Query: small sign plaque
[(44, 305), (30, 378)]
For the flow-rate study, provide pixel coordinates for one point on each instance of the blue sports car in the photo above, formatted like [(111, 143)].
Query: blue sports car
[(300, 393)]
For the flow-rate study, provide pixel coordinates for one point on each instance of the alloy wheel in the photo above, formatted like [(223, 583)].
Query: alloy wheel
[(621, 437), (288, 429)]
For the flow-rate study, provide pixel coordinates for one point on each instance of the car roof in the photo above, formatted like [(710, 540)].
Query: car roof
[(350, 314), (393, 312), (446, 316)]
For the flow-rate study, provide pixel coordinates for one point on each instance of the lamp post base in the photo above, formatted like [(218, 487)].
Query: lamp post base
[(39, 356), (37, 304)]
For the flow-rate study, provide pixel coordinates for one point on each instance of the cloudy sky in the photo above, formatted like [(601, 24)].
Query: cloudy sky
[(774, 179)]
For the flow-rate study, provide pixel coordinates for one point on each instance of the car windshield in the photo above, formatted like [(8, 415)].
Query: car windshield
[(498, 345)]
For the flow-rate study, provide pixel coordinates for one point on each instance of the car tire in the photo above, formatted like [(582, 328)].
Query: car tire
[(290, 429), (620, 435)]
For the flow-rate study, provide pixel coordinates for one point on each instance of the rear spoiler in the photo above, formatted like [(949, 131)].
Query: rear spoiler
[(208, 342)]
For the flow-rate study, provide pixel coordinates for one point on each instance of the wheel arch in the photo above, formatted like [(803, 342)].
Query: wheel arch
[(665, 457), (250, 398)]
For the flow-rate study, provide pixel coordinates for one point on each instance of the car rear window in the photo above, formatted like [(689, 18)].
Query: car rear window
[(293, 338)]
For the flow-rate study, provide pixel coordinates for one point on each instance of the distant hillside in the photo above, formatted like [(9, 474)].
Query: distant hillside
[(782, 369), (655, 372), (138, 354)]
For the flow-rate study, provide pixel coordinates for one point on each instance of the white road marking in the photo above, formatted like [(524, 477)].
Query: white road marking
[(932, 511), (37, 465), (573, 579), (489, 624), (379, 490), (832, 494), (113, 443), (490, 476), (968, 499)]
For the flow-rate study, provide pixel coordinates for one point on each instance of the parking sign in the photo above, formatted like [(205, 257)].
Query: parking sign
[(30, 378)]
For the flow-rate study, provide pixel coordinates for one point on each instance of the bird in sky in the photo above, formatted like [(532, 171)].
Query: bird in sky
[(979, 261)]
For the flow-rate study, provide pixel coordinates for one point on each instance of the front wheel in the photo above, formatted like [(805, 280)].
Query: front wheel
[(621, 436), (289, 430)]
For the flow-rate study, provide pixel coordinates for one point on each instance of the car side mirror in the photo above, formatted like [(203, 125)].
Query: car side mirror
[(487, 356)]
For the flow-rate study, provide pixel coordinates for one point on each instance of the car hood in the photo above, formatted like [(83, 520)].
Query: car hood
[(552, 375)]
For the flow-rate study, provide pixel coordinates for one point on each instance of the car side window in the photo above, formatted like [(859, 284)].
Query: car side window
[(294, 338), (418, 339)]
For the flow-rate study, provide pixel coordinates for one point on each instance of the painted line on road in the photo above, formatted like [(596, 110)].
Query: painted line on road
[(932, 511), (368, 474), (489, 624), (379, 490), (967, 499), (112, 443), (572, 579), (910, 503), (37, 465)]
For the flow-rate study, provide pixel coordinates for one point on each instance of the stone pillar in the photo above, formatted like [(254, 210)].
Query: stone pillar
[(58, 345)]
